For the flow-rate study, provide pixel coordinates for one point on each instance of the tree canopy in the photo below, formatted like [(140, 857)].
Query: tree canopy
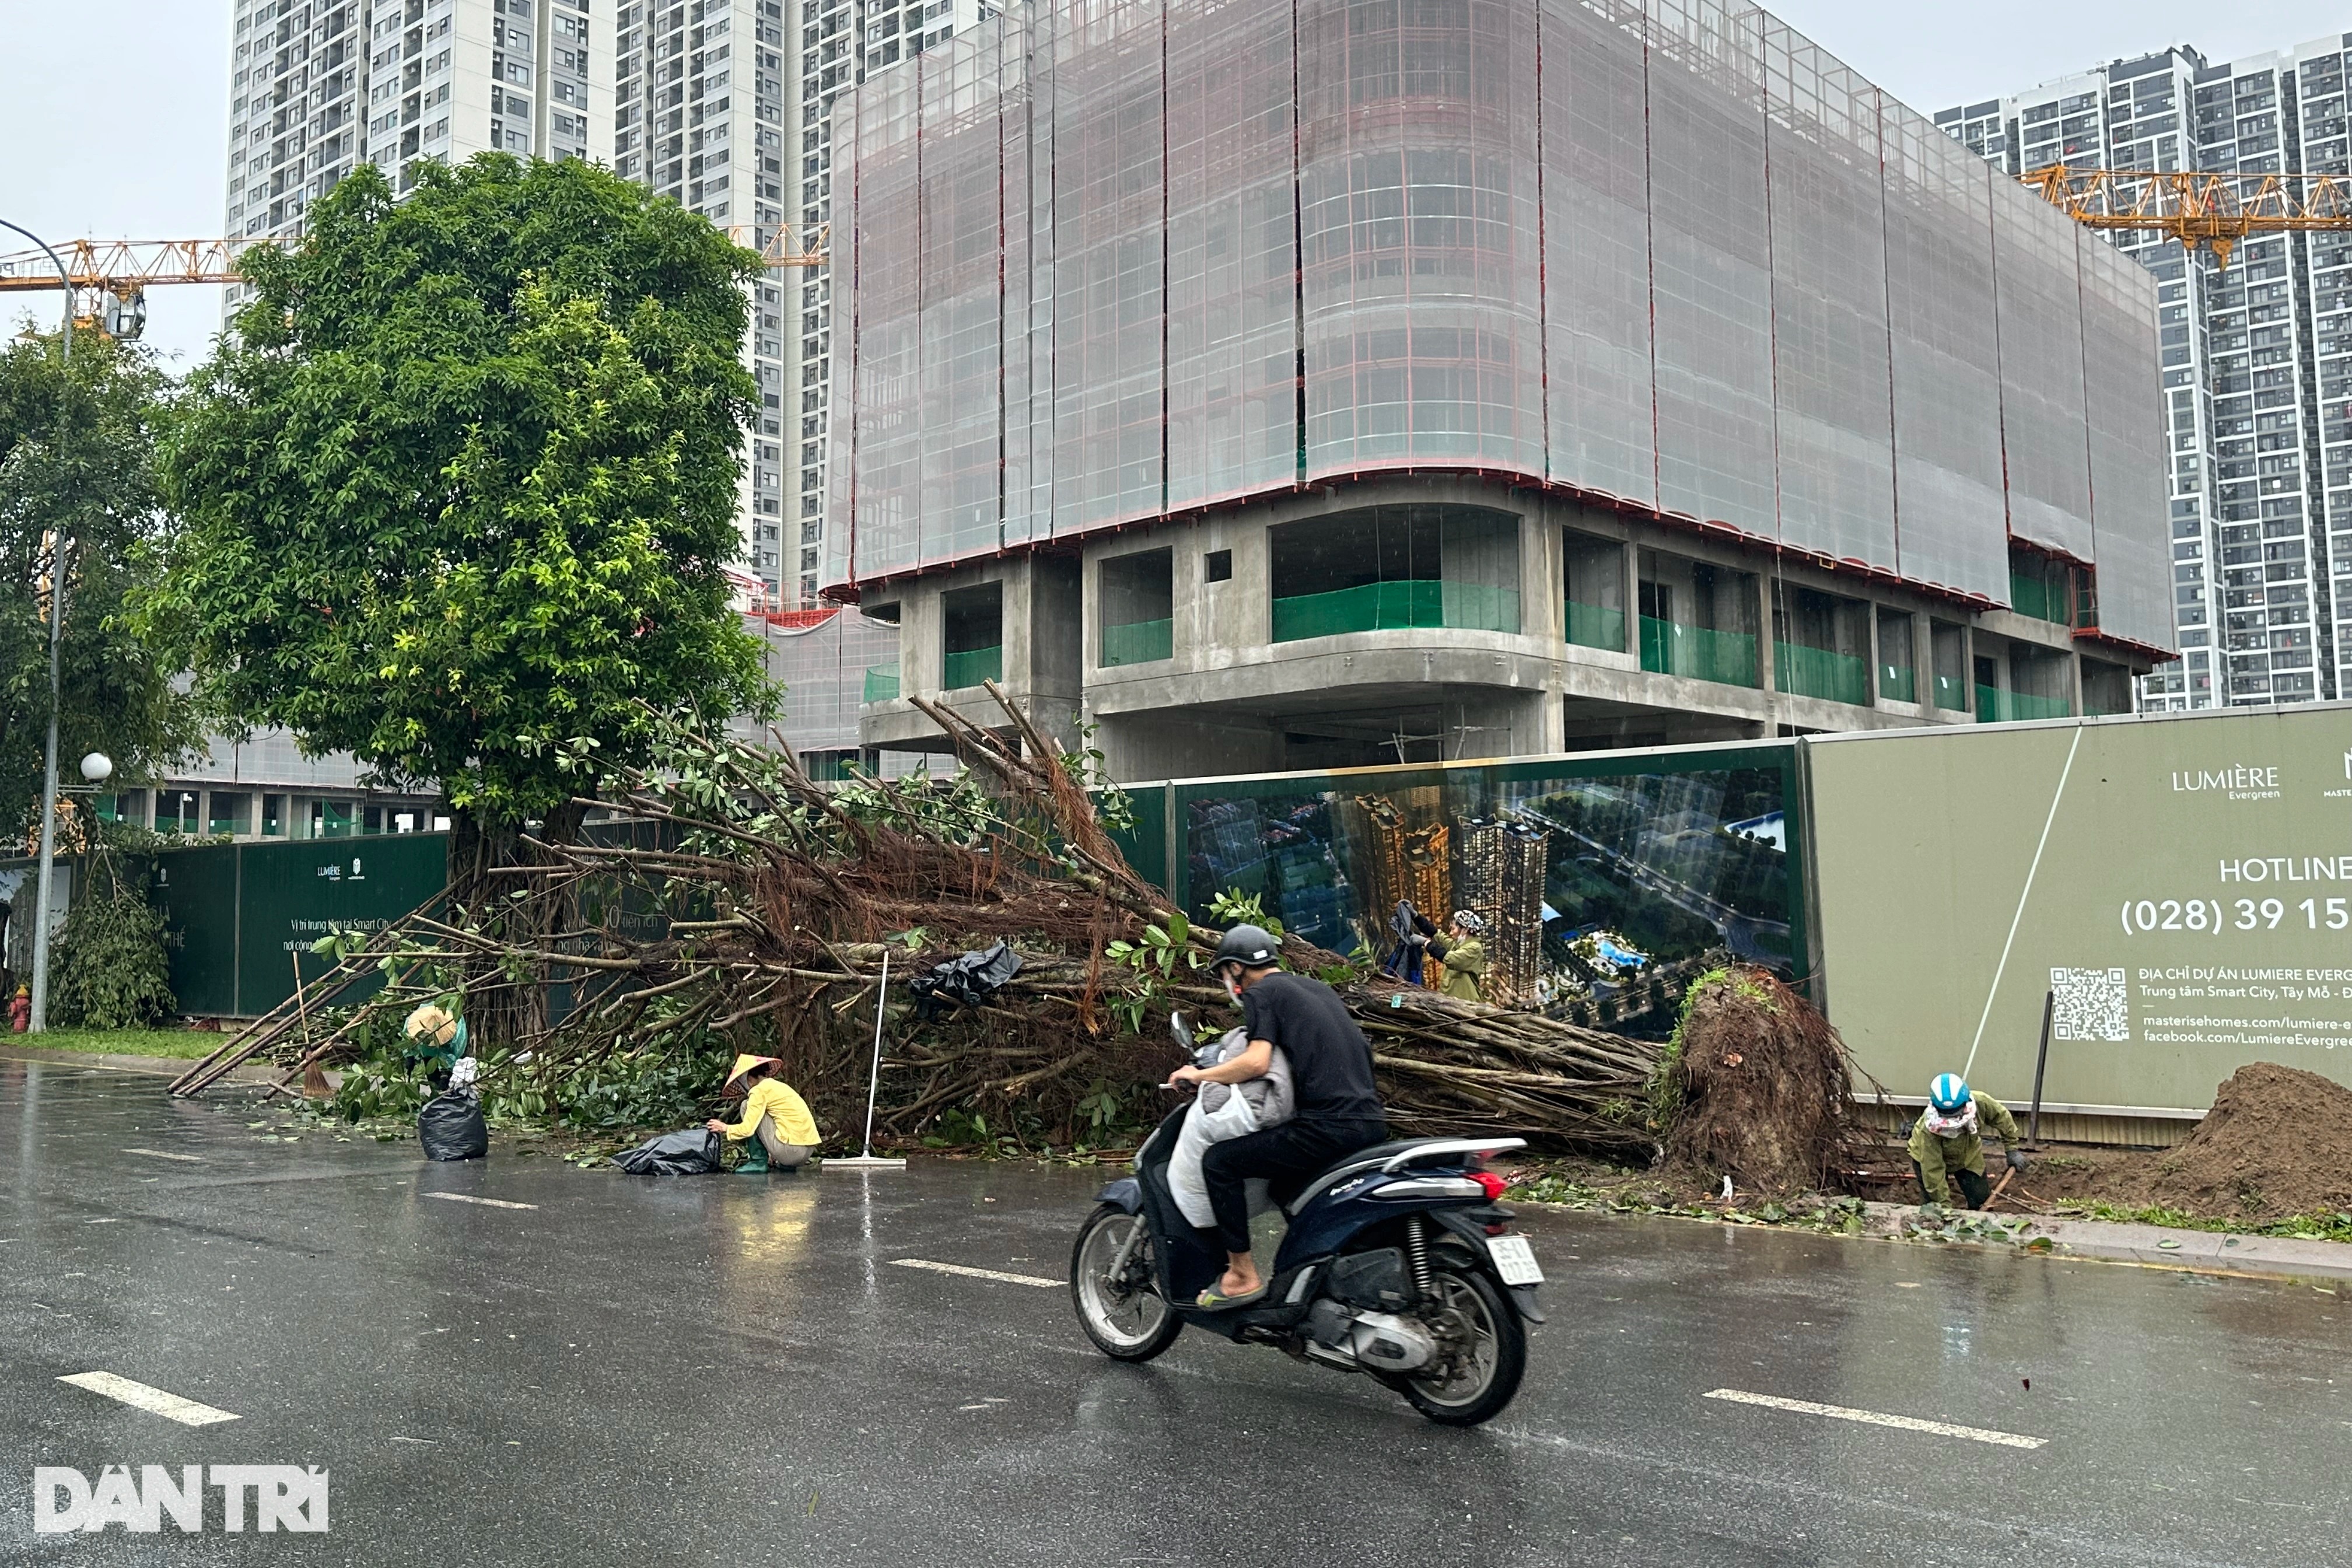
[(459, 488), (77, 442)]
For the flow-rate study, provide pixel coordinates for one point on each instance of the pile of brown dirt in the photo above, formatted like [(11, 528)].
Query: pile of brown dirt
[(1761, 1081), (2277, 1143)]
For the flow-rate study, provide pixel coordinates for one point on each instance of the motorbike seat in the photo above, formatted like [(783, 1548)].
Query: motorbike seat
[(1381, 1154)]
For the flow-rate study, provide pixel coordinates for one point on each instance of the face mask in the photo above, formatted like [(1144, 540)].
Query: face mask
[(1231, 989), (1947, 1125)]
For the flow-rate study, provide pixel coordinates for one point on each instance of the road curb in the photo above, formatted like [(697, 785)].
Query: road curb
[(163, 1066), (2147, 1246)]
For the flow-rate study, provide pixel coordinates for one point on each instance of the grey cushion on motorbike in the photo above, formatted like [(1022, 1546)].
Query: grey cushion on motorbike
[(1272, 1096)]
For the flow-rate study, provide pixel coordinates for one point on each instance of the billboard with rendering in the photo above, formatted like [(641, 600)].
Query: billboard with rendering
[(2178, 888)]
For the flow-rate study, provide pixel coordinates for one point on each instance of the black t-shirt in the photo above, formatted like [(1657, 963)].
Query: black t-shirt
[(1330, 1062)]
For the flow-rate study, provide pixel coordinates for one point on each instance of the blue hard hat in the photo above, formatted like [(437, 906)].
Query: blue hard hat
[(1948, 1093)]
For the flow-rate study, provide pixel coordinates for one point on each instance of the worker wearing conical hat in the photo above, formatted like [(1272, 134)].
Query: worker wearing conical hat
[(775, 1118)]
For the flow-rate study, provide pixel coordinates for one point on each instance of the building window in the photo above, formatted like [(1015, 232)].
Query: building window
[(1697, 620), (1821, 645), (1898, 675), (972, 635), (1595, 582), (1391, 567), (176, 810), (1137, 605)]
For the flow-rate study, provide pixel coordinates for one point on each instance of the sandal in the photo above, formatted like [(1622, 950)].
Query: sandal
[(1211, 1301)]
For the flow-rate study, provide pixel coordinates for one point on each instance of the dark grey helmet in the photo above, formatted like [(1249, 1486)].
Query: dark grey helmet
[(1252, 947)]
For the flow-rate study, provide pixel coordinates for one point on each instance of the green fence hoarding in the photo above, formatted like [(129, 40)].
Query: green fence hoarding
[(242, 915)]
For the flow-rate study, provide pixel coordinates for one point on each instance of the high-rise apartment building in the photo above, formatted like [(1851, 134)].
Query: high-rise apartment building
[(725, 106), (2257, 356), (722, 105), (702, 115), (318, 86), (841, 42)]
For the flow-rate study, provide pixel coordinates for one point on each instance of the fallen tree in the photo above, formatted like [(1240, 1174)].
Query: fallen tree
[(728, 902)]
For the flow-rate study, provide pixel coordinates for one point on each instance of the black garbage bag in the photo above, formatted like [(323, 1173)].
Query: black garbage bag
[(968, 981), (451, 1127), (694, 1152)]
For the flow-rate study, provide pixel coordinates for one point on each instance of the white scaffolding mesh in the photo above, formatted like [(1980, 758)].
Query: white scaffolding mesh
[(1114, 261)]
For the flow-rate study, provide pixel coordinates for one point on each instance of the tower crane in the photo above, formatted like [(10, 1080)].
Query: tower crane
[(111, 278), (2217, 211)]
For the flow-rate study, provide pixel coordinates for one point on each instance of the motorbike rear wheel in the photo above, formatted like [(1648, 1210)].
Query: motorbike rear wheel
[(1126, 1317), (1485, 1351)]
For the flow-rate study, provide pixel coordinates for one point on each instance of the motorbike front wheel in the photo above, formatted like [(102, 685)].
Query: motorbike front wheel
[(1483, 1351), (1124, 1316)]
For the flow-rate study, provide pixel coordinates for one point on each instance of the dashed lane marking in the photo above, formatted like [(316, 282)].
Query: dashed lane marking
[(995, 1274), (486, 1203), (139, 1396), (160, 1154), (1878, 1419)]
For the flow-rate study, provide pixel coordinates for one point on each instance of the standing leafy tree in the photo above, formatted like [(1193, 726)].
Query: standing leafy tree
[(76, 438), (458, 490)]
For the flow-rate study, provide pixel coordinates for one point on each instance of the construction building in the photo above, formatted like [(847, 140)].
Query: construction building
[(264, 788), (1285, 383), (2257, 356)]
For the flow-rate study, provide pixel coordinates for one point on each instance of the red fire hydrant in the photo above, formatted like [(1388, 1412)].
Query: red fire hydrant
[(20, 1010)]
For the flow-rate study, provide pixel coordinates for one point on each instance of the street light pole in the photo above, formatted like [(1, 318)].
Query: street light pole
[(40, 1018)]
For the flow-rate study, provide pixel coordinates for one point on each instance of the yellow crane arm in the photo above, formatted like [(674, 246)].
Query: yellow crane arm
[(119, 266), (2217, 210)]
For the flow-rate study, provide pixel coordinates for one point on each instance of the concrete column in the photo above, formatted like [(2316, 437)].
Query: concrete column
[(1870, 650), (1542, 572)]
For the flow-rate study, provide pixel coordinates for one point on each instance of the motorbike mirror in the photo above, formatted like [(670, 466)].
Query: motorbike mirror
[(1183, 1030)]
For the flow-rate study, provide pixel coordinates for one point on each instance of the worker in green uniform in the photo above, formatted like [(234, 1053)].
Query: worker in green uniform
[(436, 1041), (1947, 1141)]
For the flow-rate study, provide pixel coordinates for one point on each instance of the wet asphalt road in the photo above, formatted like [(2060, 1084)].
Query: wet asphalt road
[(736, 1370)]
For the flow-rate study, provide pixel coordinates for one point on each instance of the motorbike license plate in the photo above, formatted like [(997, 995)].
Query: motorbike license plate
[(1515, 1261)]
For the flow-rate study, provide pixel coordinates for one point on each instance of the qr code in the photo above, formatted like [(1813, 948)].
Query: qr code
[(2092, 1005)]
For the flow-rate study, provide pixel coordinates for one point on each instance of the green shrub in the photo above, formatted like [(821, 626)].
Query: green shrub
[(108, 966)]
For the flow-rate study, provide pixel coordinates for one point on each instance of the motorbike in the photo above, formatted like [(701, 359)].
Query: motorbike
[(1397, 1262)]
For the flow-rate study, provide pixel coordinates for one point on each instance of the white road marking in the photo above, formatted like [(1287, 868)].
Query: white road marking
[(186, 1412), (486, 1203), (995, 1274), (1878, 1419), (160, 1154)]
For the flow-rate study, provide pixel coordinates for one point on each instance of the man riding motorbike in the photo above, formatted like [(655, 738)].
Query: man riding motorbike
[(1339, 1110)]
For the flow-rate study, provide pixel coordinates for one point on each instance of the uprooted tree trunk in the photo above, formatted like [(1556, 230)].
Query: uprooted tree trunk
[(511, 1001), (1757, 1087)]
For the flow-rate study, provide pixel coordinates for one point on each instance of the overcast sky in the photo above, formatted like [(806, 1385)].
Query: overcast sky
[(147, 159)]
